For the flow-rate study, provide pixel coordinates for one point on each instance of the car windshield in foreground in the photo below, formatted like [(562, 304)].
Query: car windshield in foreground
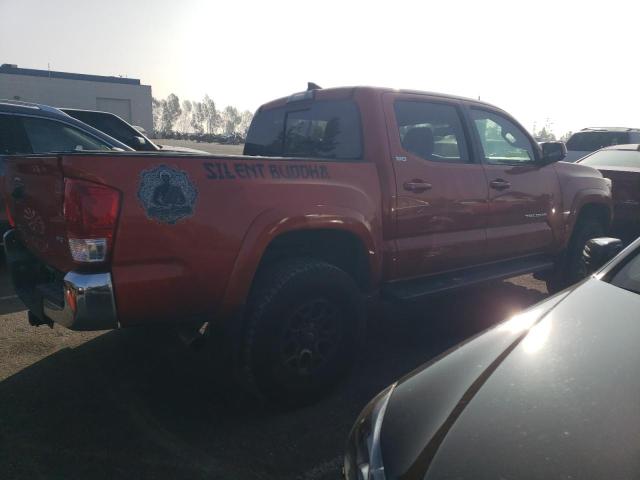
[(592, 141), (613, 158), (628, 276)]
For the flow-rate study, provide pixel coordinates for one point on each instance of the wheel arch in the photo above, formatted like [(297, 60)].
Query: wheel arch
[(340, 237)]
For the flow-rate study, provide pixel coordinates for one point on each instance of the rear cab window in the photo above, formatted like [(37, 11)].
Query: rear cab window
[(326, 129)]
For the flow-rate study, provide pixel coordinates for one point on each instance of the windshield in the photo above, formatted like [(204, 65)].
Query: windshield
[(613, 158), (628, 277), (592, 141), (114, 127)]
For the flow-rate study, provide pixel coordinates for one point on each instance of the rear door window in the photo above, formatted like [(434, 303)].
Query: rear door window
[(47, 136), (325, 129), (13, 139), (592, 141), (432, 131)]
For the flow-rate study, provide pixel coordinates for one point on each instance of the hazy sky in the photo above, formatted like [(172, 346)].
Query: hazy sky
[(575, 62)]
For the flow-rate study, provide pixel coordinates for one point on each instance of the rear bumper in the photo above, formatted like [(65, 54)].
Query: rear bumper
[(47, 292)]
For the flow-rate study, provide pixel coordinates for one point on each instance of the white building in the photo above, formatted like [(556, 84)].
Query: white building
[(125, 97)]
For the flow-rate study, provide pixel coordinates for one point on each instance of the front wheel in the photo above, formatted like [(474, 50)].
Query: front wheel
[(573, 268), (303, 327)]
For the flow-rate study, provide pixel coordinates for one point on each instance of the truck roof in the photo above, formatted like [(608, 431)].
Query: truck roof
[(610, 129), (337, 93)]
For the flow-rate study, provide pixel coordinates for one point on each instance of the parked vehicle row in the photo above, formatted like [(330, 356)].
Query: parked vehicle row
[(341, 194)]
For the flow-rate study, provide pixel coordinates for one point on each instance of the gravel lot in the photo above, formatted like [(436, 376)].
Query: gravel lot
[(136, 404), (214, 148)]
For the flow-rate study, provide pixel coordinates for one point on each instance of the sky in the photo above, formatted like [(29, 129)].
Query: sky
[(575, 63)]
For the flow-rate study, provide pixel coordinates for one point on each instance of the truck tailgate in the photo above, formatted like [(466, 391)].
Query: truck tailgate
[(35, 192)]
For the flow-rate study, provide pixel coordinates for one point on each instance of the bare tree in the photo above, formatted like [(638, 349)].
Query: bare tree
[(230, 120), (212, 118), (197, 117), (245, 122), (171, 112), (184, 122), (156, 112)]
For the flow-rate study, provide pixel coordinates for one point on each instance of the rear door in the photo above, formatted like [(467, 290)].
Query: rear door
[(441, 202), (524, 194)]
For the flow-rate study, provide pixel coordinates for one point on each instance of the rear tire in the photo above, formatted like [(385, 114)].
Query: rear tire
[(573, 269), (303, 328)]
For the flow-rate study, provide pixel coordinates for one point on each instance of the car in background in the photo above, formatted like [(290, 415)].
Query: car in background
[(29, 128), (589, 140), (550, 393), (621, 164), (115, 126)]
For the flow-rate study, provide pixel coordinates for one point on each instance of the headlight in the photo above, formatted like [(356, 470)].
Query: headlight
[(363, 460)]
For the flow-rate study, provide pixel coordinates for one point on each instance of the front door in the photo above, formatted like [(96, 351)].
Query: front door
[(442, 194), (524, 193)]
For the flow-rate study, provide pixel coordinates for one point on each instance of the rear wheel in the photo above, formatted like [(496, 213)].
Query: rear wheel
[(573, 268), (303, 327)]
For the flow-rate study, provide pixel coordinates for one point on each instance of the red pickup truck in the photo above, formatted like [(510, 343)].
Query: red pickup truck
[(341, 194)]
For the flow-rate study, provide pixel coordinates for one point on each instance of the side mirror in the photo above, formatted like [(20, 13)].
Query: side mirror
[(599, 251), (553, 152), (140, 140)]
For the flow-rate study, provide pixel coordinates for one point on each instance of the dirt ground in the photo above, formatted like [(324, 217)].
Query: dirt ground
[(133, 404)]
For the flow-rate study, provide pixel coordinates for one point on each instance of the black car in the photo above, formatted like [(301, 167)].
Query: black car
[(30, 128), (554, 392), (116, 127)]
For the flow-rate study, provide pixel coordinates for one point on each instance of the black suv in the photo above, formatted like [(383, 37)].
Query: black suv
[(588, 140)]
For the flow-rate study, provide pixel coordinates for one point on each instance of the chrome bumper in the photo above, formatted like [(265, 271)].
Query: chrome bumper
[(95, 304), (47, 296)]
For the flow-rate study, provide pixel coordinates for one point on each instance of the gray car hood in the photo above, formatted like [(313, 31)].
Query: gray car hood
[(560, 401)]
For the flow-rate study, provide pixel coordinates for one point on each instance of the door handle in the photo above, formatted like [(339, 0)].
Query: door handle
[(417, 186), (499, 184)]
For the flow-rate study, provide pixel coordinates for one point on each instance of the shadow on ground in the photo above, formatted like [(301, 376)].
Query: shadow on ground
[(134, 404)]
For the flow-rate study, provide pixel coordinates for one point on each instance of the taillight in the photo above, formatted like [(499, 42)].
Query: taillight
[(90, 214)]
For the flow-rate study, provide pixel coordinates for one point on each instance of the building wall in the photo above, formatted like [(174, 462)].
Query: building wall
[(131, 102)]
